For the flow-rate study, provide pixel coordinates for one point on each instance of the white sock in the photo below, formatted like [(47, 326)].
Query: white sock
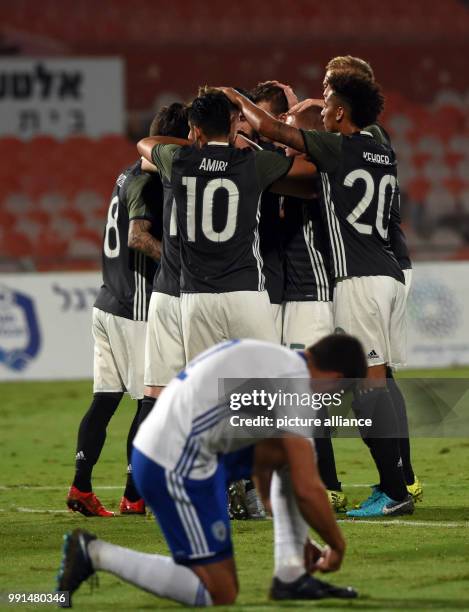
[(290, 528), (154, 573)]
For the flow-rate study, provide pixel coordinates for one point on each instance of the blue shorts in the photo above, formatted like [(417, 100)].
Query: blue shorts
[(192, 514)]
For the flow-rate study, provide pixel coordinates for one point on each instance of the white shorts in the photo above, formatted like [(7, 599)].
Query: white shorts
[(408, 281), (277, 310), (304, 323), (372, 308), (210, 318), (119, 354), (164, 348)]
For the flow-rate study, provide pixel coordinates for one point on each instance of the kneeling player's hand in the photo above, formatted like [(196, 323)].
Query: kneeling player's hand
[(330, 560), (312, 554)]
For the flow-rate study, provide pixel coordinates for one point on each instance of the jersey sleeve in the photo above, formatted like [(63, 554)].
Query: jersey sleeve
[(379, 134), (162, 156), (143, 197), (323, 148), (271, 167)]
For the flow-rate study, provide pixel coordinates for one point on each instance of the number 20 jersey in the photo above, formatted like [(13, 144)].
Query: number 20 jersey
[(217, 189), (359, 189), (127, 273)]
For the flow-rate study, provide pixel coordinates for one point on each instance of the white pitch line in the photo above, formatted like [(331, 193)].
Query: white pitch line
[(394, 522), (403, 523), (64, 488), (34, 510), (121, 486)]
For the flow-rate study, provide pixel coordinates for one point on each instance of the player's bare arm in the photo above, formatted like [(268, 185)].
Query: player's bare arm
[(264, 122), (305, 104), (148, 166), (313, 501), (146, 145), (297, 182), (140, 239)]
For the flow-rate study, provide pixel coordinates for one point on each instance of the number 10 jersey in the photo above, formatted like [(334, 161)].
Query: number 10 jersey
[(217, 190)]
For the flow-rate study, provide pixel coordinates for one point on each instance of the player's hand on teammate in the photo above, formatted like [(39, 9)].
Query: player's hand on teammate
[(304, 104), (292, 98)]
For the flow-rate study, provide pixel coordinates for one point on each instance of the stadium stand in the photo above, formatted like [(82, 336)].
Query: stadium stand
[(55, 194)]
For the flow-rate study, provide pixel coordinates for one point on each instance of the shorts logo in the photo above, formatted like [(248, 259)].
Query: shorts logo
[(20, 339), (219, 531), (373, 355)]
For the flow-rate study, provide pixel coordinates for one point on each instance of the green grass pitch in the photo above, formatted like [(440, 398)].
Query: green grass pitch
[(420, 563)]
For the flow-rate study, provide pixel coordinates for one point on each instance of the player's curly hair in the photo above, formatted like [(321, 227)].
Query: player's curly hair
[(211, 112), (349, 63), (363, 97), (171, 121), (271, 93)]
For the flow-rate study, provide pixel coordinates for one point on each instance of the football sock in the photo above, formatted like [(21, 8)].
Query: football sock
[(131, 492), (290, 528), (403, 424), (153, 573), (147, 405), (376, 404), (326, 463), (91, 437)]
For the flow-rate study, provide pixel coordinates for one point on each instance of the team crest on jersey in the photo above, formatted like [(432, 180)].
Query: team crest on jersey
[(219, 531), (20, 338)]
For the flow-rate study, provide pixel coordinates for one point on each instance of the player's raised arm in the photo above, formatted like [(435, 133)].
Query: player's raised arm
[(265, 123), (145, 146)]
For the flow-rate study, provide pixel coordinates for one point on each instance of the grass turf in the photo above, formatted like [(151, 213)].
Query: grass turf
[(413, 567)]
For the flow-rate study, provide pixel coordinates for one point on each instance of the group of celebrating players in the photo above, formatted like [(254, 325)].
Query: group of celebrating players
[(250, 215)]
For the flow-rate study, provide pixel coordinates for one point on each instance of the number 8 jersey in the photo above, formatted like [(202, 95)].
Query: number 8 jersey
[(217, 190), (359, 189), (127, 273)]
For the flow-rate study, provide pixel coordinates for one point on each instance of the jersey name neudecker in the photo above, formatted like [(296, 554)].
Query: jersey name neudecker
[(377, 158)]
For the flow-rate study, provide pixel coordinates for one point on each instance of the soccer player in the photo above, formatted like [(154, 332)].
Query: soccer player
[(186, 451), (131, 249), (308, 290), (164, 347), (217, 189), (398, 243), (272, 98), (359, 179)]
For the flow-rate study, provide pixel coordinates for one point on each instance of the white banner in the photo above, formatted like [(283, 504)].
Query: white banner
[(45, 321), (45, 325), (61, 97), (438, 315)]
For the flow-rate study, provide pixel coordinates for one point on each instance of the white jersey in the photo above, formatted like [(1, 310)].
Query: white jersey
[(191, 423)]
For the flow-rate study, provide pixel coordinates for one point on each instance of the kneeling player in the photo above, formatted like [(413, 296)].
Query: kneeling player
[(184, 454)]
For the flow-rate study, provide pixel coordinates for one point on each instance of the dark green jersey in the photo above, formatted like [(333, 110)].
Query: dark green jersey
[(127, 273), (168, 276), (397, 237), (359, 184), (270, 238), (306, 252), (217, 190)]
